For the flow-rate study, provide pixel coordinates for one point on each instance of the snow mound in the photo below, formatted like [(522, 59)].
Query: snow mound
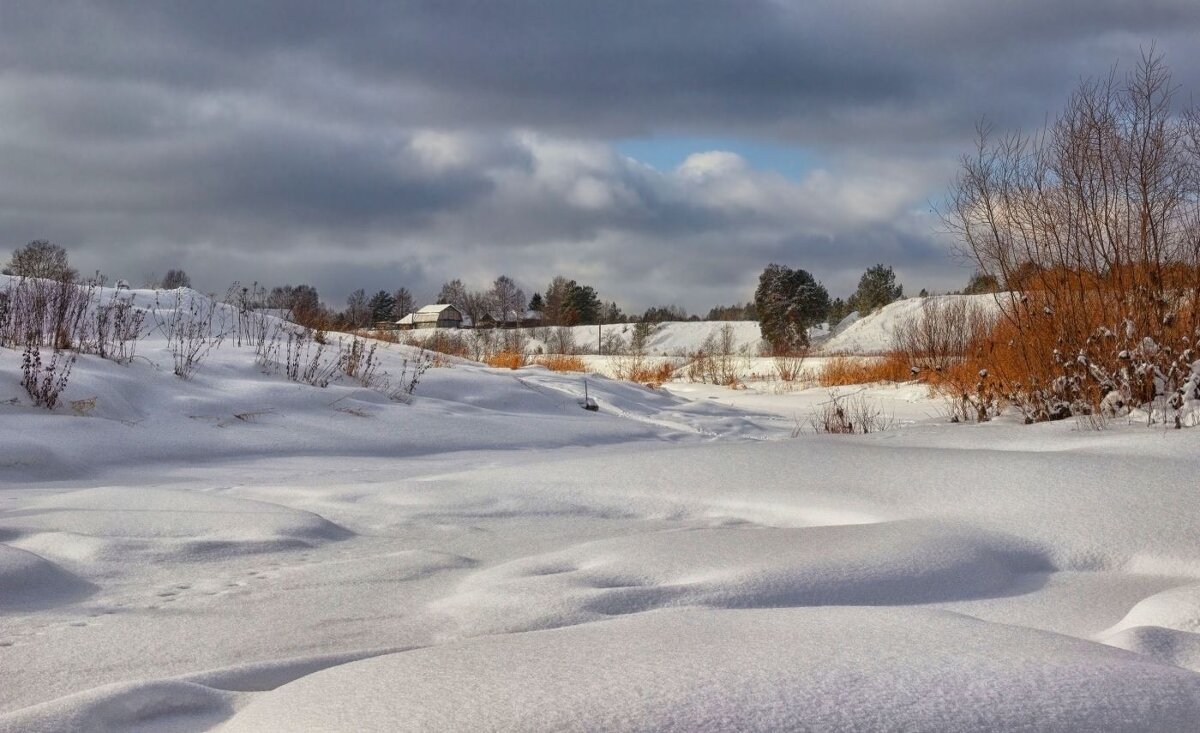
[(1165, 626), (741, 567), (872, 333), (28, 581), (125, 524), (124, 708), (830, 669)]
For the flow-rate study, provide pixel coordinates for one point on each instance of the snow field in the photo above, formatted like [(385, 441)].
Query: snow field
[(240, 552)]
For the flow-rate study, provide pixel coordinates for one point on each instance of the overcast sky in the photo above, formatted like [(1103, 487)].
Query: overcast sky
[(663, 151)]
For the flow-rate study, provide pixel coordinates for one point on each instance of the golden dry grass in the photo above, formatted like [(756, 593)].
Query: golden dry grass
[(562, 363), (506, 360), (845, 370)]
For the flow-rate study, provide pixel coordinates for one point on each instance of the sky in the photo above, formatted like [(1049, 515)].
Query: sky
[(663, 152)]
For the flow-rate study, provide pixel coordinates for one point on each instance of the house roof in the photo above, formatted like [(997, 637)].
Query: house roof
[(437, 308), (405, 321)]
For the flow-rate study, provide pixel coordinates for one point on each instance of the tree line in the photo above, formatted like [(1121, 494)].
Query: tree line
[(787, 301)]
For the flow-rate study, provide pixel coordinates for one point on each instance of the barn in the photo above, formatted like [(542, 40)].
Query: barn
[(442, 315)]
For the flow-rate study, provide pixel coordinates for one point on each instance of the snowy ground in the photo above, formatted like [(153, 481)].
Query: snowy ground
[(492, 557)]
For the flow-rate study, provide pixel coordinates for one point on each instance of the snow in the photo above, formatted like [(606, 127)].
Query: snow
[(872, 333), (240, 552), (831, 669)]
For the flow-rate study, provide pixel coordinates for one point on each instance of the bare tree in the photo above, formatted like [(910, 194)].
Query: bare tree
[(404, 303), (357, 313), (175, 279), (507, 301), (43, 259)]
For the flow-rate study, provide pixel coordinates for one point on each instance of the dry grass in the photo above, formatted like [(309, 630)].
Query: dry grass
[(443, 342), (390, 337), (506, 360), (840, 371), (562, 363), (636, 369)]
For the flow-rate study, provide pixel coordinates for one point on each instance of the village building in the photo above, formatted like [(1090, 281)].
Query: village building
[(441, 315)]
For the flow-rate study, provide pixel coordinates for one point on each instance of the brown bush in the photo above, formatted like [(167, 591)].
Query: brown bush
[(562, 363), (506, 360), (845, 370), (1093, 227), (637, 369), (443, 342)]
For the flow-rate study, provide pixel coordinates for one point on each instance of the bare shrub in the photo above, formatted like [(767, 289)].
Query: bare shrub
[(611, 342), (304, 359), (359, 361), (514, 340), (402, 387), (1091, 227), (45, 382), (850, 415), (715, 361), (639, 339), (252, 322), (788, 368), (562, 341), (192, 327), (115, 329), (482, 342), (940, 334), (49, 312)]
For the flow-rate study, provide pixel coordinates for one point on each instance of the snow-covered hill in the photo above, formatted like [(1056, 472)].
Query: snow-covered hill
[(873, 333), (868, 334)]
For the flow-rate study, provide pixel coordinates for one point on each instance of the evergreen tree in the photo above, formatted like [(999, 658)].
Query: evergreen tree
[(788, 302), (554, 313), (876, 288), (582, 306), (536, 303), (838, 310), (980, 284), (381, 305)]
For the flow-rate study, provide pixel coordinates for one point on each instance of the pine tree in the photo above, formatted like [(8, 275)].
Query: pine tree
[(876, 288), (788, 302), (380, 305)]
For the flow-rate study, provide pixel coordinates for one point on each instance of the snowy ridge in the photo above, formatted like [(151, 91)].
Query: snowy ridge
[(873, 333)]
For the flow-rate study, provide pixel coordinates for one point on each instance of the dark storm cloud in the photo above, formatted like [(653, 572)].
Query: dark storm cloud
[(381, 144)]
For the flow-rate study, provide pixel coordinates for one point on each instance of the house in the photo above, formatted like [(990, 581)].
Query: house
[(511, 319), (442, 315), (406, 323)]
